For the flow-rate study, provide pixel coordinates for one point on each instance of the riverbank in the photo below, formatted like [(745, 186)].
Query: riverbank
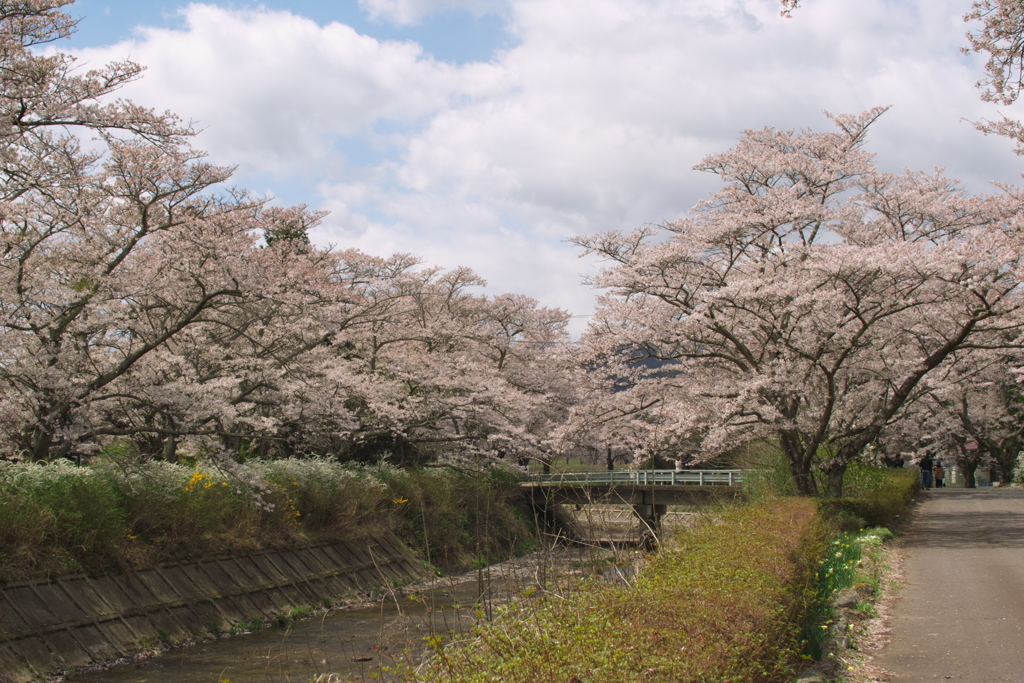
[(50, 627), (723, 601), (746, 596), (113, 516)]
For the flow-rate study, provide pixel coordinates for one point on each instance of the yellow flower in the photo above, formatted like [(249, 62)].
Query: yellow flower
[(197, 477)]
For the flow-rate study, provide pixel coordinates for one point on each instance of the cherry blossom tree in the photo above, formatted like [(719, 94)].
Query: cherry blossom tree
[(141, 299), (81, 226), (464, 373), (976, 407), (804, 302)]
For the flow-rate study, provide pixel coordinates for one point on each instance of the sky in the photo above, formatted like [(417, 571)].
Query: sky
[(486, 133)]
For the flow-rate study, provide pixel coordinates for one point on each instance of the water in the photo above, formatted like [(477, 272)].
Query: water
[(356, 642)]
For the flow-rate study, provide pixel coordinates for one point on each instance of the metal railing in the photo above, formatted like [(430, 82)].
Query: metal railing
[(639, 478)]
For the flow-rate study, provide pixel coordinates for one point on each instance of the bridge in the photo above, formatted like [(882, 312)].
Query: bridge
[(648, 492)]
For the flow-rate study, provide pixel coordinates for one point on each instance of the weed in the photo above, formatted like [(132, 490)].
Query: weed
[(866, 608), (299, 612)]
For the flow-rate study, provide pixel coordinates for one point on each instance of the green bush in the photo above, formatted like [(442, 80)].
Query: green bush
[(769, 475), (873, 497), (724, 602)]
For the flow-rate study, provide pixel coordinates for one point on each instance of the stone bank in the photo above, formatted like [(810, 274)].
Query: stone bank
[(60, 624)]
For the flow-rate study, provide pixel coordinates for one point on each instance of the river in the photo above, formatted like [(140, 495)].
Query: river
[(355, 642)]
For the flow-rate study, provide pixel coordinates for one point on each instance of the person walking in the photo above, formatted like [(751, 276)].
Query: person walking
[(940, 475), (926, 465)]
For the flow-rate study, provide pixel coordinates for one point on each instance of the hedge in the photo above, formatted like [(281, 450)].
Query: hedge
[(874, 497)]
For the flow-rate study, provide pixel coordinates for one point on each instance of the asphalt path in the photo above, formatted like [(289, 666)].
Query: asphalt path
[(960, 614)]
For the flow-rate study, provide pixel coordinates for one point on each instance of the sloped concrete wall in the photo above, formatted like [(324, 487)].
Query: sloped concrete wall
[(58, 625)]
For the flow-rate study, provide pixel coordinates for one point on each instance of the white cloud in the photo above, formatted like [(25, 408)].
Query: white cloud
[(591, 121), (273, 90)]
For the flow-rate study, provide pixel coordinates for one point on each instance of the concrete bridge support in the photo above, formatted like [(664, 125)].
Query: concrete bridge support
[(647, 492), (650, 523)]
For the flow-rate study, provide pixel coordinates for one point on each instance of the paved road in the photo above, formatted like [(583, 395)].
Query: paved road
[(960, 616)]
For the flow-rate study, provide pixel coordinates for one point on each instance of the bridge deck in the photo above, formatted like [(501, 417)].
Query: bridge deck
[(644, 478), (637, 487)]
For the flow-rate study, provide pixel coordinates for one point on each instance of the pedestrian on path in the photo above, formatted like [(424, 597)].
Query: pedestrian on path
[(940, 475), (926, 465)]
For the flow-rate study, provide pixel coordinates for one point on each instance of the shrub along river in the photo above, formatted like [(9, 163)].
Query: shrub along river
[(356, 641)]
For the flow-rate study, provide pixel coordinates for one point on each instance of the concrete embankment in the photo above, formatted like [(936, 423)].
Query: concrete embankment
[(56, 625)]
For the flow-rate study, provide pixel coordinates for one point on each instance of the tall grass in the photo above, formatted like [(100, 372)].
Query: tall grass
[(60, 518), (456, 520)]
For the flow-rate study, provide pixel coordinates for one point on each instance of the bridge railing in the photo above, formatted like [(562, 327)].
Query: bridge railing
[(639, 478)]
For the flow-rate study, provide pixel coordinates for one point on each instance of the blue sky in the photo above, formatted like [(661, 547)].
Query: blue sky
[(453, 35), (485, 133)]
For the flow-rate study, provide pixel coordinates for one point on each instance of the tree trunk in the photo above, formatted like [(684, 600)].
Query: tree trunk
[(967, 471), (1006, 459), (799, 466), (52, 413), (836, 474), (39, 445), (170, 450), (803, 479), (1005, 473), (610, 459)]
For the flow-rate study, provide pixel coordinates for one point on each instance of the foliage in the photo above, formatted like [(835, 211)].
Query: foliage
[(768, 474), (452, 518), (874, 497), (722, 603), (59, 518), (983, 404)]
